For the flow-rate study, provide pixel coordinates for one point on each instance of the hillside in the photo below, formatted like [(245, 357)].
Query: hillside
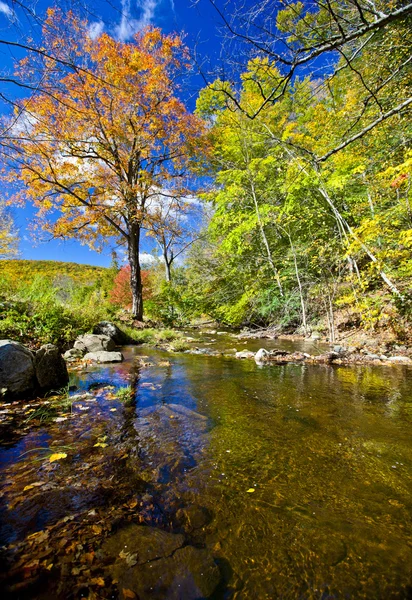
[(27, 270)]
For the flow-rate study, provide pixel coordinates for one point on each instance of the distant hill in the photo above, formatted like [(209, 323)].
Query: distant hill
[(27, 270)]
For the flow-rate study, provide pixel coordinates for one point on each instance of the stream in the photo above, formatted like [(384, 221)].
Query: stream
[(220, 479)]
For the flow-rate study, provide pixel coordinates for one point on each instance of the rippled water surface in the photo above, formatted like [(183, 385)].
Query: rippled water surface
[(291, 481)]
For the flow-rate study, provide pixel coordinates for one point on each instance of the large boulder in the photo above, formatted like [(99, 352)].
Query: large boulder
[(104, 357), (91, 342), (112, 331), (17, 372), (50, 367)]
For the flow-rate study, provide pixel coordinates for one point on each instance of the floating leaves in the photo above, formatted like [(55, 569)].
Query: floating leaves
[(251, 490)]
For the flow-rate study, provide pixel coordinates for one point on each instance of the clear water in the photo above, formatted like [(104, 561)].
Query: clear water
[(327, 451)]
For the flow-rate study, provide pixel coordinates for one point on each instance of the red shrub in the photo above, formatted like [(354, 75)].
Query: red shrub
[(121, 294)]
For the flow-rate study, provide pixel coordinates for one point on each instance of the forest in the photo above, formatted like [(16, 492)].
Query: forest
[(286, 193)]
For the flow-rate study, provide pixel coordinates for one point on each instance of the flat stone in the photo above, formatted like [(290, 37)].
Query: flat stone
[(104, 357)]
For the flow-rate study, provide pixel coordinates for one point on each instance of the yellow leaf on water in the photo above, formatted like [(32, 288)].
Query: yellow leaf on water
[(251, 490), (100, 445), (57, 456)]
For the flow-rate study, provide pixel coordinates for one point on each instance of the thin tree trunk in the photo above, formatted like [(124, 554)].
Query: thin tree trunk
[(302, 300), (168, 263), (263, 236), (135, 272)]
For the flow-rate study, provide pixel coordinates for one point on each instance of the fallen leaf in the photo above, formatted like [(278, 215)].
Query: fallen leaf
[(97, 529), (100, 445), (128, 593), (57, 456), (251, 490), (113, 409), (98, 581), (33, 485)]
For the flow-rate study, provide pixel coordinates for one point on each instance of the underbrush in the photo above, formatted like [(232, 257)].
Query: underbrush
[(44, 311)]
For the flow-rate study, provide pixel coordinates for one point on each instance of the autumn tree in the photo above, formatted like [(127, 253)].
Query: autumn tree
[(92, 154), (324, 38)]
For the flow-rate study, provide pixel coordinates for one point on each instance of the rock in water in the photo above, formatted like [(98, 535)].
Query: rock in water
[(91, 342), (51, 370), (262, 356), (104, 357), (17, 374), (400, 360), (112, 331)]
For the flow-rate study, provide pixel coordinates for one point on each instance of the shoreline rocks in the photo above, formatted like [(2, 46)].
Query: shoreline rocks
[(343, 357), (27, 373), (96, 347)]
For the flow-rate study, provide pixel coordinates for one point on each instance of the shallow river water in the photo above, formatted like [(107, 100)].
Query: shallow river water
[(223, 479)]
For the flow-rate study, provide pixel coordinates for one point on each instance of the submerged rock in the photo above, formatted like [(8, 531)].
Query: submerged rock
[(17, 372), (155, 564), (51, 370), (104, 357), (91, 342), (146, 543)]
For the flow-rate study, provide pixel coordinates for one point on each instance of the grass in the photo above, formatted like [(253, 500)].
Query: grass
[(56, 404), (151, 336), (125, 395), (180, 346)]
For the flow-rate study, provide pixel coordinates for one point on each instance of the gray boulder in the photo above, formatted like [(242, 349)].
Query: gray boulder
[(104, 357), (112, 331), (17, 373), (51, 370), (91, 342)]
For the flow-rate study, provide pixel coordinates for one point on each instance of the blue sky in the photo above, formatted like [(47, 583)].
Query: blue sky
[(120, 18)]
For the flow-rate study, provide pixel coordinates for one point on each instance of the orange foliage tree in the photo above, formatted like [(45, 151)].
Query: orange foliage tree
[(95, 145)]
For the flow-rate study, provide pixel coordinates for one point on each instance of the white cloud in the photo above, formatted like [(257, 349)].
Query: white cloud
[(129, 26), (147, 259), (6, 10), (95, 29)]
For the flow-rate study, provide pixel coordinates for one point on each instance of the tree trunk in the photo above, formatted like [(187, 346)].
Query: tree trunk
[(135, 272)]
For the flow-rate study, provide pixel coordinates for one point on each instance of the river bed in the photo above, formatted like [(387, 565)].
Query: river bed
[(221, 479)]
